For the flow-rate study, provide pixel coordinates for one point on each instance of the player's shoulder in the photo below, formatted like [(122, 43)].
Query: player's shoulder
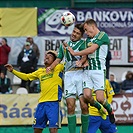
[(82, 40), (60, 66), (102, 34)]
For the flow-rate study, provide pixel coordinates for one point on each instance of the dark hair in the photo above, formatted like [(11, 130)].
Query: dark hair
[(5, 39), (128, 75), (90, 21), (80, 27), (52, 54)]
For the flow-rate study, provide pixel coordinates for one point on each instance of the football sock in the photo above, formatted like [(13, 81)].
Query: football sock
[(107, 106), (84, 122), (110, 111), (101, 109), (97, 105), (72, 123)]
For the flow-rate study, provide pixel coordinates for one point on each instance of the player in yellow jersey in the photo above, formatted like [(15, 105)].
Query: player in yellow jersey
[(95, 120), (50, 95)]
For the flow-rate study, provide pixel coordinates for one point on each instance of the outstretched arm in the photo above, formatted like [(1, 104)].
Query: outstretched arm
[(53, 65), (17, 73), (9, 67)]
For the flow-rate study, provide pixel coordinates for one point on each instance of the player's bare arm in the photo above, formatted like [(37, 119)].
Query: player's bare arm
[(80, 62), (52, 66), (86, 51)]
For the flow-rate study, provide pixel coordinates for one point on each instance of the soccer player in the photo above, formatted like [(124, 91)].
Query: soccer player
[(98, 44), (95, 120), (50, 95), (73, 78)]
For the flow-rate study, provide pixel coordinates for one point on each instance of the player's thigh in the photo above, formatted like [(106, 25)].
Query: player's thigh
[(87, 79), (94, 124), (98, 77), (69, 87), (40, 118), (78, 82), (53, 114)]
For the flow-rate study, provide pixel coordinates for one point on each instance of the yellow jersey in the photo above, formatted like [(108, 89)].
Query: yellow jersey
[(50, 83), (108, 93)]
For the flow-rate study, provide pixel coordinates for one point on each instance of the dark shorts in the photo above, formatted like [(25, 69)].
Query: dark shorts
[(96, 122), (46, 112)]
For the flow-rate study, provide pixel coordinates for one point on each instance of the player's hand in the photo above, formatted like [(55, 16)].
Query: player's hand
[(86, 64), (65, 45), (71, 51), (9, 67), (78, 63), (48, 69)]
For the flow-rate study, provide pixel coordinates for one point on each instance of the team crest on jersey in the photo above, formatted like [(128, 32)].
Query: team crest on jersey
[(89, 44)]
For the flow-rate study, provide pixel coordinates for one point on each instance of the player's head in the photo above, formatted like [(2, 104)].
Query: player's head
[(90, 27), (77, 33), (50, 57)]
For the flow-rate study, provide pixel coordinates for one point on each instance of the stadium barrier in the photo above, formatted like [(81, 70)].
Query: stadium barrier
[(19, 109)]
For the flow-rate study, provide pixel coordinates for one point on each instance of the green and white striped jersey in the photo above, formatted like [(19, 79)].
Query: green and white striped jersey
[(68, 58), (98, 58)]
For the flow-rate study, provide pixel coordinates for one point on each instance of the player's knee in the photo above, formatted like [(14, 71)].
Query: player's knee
[(100, 99), (71, 109), (87, 97), (84, 109)]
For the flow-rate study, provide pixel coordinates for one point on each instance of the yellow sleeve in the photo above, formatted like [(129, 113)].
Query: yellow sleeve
[(20, 75), (59, 67), (29, 76)]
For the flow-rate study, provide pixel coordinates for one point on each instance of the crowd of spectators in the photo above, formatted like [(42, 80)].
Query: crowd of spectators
[(125, 86), (26, 62)]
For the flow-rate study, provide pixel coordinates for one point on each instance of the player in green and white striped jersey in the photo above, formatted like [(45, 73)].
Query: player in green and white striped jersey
[(97, 43), (73, 78)]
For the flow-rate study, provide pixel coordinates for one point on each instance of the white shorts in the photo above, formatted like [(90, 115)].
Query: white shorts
[(73, 83), (94, 79)]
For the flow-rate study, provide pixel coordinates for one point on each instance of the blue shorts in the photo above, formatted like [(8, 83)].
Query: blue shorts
[(96, 122), (46, 112)]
